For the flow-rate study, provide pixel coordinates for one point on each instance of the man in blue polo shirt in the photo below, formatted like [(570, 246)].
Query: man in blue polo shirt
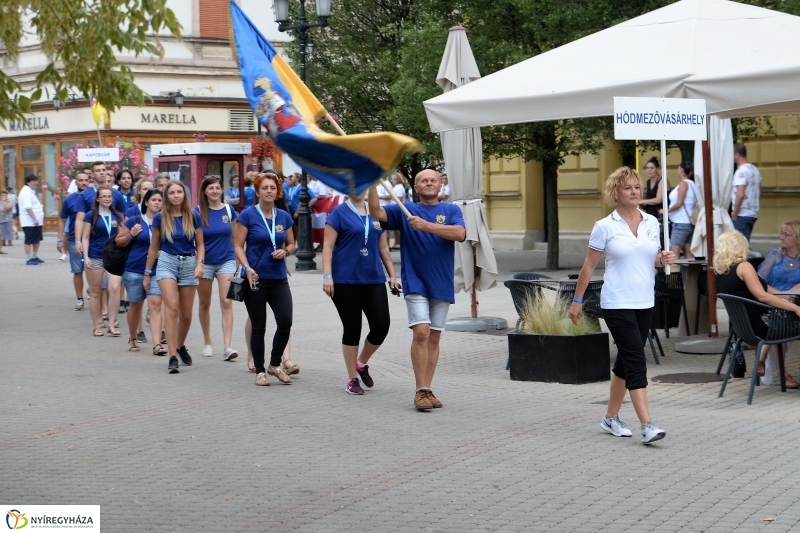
[(66, 227), (293, 199), (427, 264), (101, 177)]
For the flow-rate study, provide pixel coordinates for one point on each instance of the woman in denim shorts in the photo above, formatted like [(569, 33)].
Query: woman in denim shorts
[(178, 236), (217, 220), (135, 234), (101, 224), (682, 200)]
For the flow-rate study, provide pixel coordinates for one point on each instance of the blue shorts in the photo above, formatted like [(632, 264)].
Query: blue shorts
[(681, 234), (75, 261), (134, 285), (212, 271), (177, 267), (422, 310)]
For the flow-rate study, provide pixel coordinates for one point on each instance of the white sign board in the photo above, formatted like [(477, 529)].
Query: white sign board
[(89, 155), (674, 119)]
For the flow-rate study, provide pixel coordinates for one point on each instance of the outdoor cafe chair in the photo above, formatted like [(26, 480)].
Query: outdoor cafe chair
[(783, 326), (591, 298), (520, 290), (669, 288), (529, 276)]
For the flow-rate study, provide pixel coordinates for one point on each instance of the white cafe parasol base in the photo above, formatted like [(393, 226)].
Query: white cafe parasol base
[(482, 323)]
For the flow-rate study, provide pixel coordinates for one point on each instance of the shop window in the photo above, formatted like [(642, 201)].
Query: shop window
[(178, 170), (50, 205), (66, 146), (32, 152), (10, 166), (214, 16)]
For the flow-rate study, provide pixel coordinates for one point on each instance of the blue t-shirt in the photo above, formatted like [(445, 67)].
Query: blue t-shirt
[(99, 234), (232, 192), (217, 236), (249, 196), (89, 195), (350, 263), (139, 246), (780, 271), (293, 196), (69, 212), (426, 259), (128, 198), (180, 245), (133, 211), (258, 241)]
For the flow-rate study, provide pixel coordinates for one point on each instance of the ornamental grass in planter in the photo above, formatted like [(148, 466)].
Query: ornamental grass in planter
[(548, 347)]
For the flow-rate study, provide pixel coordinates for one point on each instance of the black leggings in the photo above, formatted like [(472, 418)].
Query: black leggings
[(276, 293), (351, 300), (629, 329)]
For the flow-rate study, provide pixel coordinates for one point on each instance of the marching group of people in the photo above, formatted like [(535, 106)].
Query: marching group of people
[(174, 251)]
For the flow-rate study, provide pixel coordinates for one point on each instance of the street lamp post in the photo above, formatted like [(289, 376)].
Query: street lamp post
[(305, 247)]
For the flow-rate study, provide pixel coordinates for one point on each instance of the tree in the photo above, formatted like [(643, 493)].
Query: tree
[(80, 39)]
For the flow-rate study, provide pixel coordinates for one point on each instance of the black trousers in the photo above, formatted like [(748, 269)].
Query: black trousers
[(351, 301), (629, 329), (276, 294)]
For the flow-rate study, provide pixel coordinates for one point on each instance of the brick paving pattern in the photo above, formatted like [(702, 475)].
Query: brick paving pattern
[(86, 422)]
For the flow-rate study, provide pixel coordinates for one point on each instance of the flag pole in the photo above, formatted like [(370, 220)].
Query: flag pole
[(382, 181)]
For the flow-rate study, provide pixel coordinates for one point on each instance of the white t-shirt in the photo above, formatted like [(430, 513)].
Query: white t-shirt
[(399, 191), (629, 280), (689, 201), (445, 192), (28, 199), (749, 176), (73, 187), (382, 192)]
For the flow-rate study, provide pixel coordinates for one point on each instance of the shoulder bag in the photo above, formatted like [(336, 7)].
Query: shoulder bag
[(236, 287), (114, 258)]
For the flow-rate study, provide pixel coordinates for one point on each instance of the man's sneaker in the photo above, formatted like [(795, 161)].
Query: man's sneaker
[(615, 426), (366, 379), (38, 260), (230, 354), (173, 365), (421, 401), (208, 351), (186, 359), (141, 337), (652, 433), (435, 403), (33, 262), (354, 387), (80, 305), (121, 307)]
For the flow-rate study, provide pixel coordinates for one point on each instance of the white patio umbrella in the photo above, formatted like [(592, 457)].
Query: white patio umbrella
[(720, 136), (475, 263), (695, 49)]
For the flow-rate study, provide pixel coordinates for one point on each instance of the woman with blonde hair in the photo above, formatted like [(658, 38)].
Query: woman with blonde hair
[(630, 240), (142, 186), (177, 233), (737, 277)]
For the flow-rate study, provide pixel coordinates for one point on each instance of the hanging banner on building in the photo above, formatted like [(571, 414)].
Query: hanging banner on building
[(90, 155), (674, 119)]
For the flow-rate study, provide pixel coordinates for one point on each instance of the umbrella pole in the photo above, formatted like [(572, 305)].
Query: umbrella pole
[(712, 278), (474, 306)]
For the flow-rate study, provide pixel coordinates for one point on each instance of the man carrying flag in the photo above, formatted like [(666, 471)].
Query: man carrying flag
[(427, 264)]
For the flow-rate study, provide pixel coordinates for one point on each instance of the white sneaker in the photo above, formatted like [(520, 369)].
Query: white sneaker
[(652, 433), (615, 426), (230, 355), (208, 351), (80, 305)]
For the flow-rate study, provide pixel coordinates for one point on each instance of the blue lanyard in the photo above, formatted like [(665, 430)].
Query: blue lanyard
[(107, 222), (366, 220), (270, 231), (147, 224)]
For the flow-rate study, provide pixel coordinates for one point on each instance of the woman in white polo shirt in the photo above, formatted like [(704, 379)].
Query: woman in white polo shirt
[(629, 237)]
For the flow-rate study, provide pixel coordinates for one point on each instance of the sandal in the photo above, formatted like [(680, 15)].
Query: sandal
[(158, 349), (261, 380), (278, 372), (114, 332), (762, 368), (97, 332), (132, 346), (290, 369)]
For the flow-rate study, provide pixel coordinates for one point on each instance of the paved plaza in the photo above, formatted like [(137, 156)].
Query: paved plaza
[(86, 422)]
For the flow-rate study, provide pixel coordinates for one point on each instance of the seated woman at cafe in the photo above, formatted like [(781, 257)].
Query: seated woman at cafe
[(781, 267), (737, 277)]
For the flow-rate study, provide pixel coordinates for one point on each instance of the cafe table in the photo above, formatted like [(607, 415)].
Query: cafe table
[(691, 270)]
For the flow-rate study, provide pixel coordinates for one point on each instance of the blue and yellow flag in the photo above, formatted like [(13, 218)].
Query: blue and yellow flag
[(289, 111)]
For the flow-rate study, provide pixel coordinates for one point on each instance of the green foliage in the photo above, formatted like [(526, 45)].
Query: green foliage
[(80, 38), (541, 318)]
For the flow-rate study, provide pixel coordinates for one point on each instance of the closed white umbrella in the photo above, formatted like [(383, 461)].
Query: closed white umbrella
[(463, 156)]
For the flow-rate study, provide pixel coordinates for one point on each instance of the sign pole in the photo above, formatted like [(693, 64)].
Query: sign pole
[(664, 199)]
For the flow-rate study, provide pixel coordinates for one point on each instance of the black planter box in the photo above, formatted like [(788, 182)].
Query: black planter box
[(559, 358)]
